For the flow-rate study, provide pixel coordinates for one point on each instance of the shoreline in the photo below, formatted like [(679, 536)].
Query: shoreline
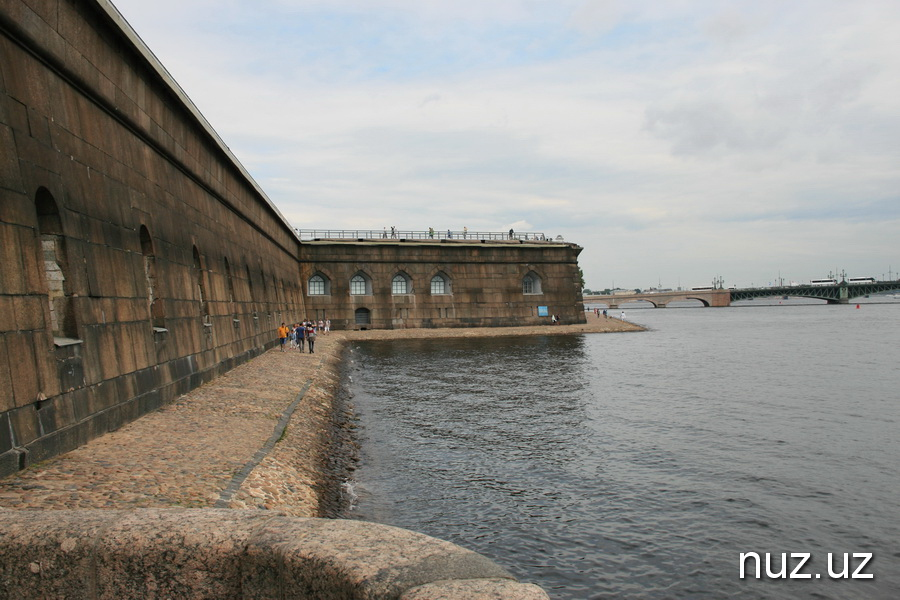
[(208, 448)]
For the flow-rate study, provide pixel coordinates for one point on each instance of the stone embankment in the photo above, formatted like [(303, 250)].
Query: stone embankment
[(263, 437)]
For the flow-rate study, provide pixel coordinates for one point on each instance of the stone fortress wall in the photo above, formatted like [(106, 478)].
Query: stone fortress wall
[(139, 259), (440, 283)]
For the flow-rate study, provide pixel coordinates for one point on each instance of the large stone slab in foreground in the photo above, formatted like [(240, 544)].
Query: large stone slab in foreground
[(223, 553)]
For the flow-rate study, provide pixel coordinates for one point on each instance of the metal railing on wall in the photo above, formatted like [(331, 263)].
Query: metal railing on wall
[(431, 234)]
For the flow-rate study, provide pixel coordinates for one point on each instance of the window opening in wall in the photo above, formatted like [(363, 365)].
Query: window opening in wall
[(359, 285), (318, 285), (56, 266), (400, 284), (201, 286), (363, 316), (229, 281), (531, 284), (440, 284), (253, 307), (155, 305)]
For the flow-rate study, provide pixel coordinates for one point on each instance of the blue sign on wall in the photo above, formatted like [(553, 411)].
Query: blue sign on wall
[(543, 312)]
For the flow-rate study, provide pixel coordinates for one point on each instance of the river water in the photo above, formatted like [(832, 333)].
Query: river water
[(642, 465)]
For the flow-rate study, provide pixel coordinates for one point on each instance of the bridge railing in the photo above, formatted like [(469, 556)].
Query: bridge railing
[(431, 234)]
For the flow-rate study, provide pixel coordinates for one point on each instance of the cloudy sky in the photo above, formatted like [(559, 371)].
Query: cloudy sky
[(674, 140)]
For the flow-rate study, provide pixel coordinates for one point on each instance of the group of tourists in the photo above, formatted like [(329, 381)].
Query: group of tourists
[(298, 335)]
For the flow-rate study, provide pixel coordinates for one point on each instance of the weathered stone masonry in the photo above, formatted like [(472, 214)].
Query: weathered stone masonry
[(441, 283), (139, 259)]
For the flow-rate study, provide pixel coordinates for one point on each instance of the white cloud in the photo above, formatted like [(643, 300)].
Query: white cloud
[(687, 138)]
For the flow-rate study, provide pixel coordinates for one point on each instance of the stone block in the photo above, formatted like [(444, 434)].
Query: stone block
[(122, 414), (46, 416), (49, 558), (91, 358), (7, 398), (24, 425), (27, 83), (103, 396), (6, 442), (9, 163), (39, 126), (32, 263), (9, 464), (97, 271), (476, 589), (11, 273), (44, 447), (29, 313), (125, 348), (7, 313), (328, 559), (125, 387), (80, 403), (109, 357), (177, 554), (16, 208), (20, 354), (149, 402), (147, 380)]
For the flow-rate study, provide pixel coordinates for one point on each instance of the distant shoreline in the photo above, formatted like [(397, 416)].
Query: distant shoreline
[(594, 324)]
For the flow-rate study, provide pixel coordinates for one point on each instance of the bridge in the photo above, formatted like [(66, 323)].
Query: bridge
[(840, 293)]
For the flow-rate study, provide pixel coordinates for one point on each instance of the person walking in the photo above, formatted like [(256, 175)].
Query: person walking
[(283, 332), (301, 336), (311, 338)]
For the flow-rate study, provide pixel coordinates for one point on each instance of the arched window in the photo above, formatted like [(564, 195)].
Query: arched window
[(360, 285), (201, 286), (155, 304), (56, 266), (401, 284), (531, 284), (229, 280), (319, 285), (440, 284)]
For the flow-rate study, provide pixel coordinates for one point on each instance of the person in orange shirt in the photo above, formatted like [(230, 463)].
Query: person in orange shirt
[(283, 332)]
